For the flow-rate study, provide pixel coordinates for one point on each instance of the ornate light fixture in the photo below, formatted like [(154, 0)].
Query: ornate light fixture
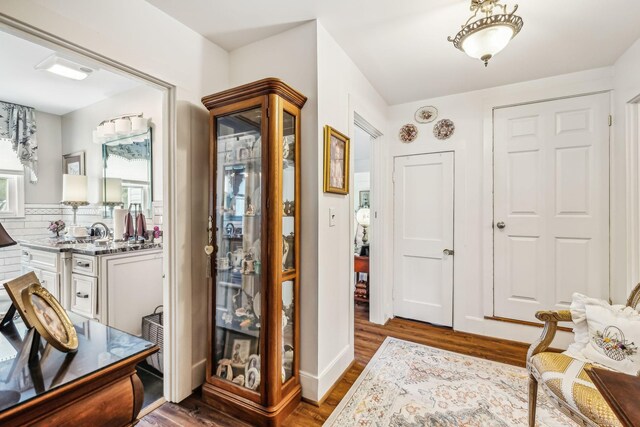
[(485, 37)]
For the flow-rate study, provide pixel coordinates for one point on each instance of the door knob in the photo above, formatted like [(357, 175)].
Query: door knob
[(501, 225), (448, 252)]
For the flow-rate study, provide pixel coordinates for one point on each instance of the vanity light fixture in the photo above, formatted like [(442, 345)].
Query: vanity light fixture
[(485, 37), (116, 130), (65, 68)]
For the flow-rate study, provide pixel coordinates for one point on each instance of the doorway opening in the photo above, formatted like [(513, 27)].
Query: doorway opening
[(364, 201), (103, 136)]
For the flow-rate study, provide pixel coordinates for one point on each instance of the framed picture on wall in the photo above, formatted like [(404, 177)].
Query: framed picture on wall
[(73, 164), (336, 161), (364, 199)]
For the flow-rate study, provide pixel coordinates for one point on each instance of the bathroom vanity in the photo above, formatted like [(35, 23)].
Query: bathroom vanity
[(116, 284)]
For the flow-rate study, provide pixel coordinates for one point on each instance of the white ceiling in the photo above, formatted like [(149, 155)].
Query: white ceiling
[(401, 46), (21, 83)]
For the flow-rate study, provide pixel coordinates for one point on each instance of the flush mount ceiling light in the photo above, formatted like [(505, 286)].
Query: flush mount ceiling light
[(486, 36), (64, 67)]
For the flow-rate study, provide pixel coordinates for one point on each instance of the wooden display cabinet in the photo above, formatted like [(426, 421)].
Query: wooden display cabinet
[(254, 312)]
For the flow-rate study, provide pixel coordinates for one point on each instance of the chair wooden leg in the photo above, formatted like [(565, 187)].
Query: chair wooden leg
[(533, 399)]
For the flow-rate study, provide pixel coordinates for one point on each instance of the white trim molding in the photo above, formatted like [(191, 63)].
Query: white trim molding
[(315, 387), (632, 140)]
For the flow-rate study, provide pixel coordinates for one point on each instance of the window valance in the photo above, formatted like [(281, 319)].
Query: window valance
[(18, 125)]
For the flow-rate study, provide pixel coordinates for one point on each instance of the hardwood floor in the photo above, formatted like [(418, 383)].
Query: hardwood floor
[(368, 337)]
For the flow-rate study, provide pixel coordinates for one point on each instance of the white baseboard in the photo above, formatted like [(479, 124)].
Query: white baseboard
[(510, 331), (198, 373), (315, 387)]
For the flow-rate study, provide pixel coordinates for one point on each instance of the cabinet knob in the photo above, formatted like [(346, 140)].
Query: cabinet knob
[(82, 295), (208, 249)]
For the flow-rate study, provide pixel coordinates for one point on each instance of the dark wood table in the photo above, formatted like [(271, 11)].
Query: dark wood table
[(621, 392), (95, 386)]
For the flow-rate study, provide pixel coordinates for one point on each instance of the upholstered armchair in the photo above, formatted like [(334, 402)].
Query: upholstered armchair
[(564, 378)]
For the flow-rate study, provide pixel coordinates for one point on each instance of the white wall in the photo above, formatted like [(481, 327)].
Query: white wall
[(626, 145), (78, 125), (471, 142), (308, 59), (291, 56), (48, 189), (137, 34), (342, 91)]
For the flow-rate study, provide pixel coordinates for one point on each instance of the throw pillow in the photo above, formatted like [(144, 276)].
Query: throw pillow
[(614, 335)]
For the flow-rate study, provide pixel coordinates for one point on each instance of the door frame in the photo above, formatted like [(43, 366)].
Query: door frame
[(632, 139), (177, 340), (456, 221), (375, 289), (488, 183)]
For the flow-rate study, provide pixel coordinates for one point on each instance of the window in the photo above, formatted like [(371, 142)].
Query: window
[(11, 182)]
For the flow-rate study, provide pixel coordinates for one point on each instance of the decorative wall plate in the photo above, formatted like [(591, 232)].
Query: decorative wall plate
[(426, 114), (408, 133), (444, 129)]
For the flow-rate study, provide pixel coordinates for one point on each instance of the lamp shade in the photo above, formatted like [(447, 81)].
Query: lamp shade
[(113, 190), (123, 126), (488, 42), (5, 239), (74, 188), (363, 217), (139, 124), (109, 129)]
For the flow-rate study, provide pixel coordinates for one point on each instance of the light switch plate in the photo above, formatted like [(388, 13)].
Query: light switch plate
[(332, 217)]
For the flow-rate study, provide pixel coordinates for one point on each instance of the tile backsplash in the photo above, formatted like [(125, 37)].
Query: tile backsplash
[(36, 220)]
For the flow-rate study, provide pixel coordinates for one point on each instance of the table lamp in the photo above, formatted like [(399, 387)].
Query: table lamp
[(112, 193), (364, 219), (5, 239), (74, 192)]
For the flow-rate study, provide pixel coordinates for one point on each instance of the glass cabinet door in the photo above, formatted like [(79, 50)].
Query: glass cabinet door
[(238, 263), (288, 191), (288, 243)]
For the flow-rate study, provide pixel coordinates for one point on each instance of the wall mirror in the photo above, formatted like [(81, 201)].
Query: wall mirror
[(127, 165)]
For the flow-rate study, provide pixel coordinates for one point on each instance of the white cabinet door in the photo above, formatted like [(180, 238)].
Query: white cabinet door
[(51, 282), (84, 294), (423, 231), (551, 204), (133, 289)]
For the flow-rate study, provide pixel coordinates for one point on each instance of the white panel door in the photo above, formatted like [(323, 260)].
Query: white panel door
[(551, 204), (423, 233)]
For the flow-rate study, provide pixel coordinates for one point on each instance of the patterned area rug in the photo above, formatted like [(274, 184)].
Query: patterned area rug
[(409, 384)]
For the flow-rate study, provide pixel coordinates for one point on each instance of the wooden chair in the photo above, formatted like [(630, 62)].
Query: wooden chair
[(558, 373)]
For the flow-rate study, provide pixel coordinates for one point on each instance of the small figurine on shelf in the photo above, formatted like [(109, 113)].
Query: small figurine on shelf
[(251, 210), (248, 263), (57, 227)]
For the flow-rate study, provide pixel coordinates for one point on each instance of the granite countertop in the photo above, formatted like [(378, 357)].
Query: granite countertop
[(86, 248)]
